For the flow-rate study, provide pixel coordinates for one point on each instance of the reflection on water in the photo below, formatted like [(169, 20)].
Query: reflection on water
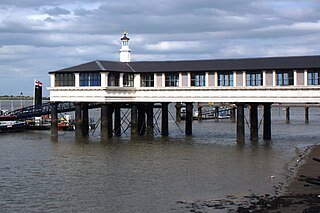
[(145, 174)]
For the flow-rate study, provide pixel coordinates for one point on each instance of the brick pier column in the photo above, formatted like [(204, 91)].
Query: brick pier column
[(240, 123)]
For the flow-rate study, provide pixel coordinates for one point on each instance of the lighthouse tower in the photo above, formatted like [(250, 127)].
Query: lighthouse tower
[(125, 52)]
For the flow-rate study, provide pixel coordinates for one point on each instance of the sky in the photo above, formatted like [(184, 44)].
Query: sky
[(38, 36)]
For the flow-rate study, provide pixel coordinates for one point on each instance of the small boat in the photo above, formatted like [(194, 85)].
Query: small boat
[(10, 123), (38, 123), (66, 123), (208, 113)]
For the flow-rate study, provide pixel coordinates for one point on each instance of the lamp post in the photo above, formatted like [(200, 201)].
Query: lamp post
[(21, 95)]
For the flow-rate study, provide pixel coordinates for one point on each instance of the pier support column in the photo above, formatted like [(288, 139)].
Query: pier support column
[(85, 120), (240, 123), (54, 121), (141, 119), (106, 121), (134, 120), (267, 121), (233, 115), (117, 120), (78, 118), (178, 111), (165, 120), (288, 115), (306, 115), (189, 118), (254, 136), (150, 119), (199, 113), (216, 113)]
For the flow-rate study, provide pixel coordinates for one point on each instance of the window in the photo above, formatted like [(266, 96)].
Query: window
[(225, 79), (90, 79), (313, 77), (64, 80), (172, 79), (198, 79), (147, 80), (254, 79), (128, 80), (113, 79), (284, 78)]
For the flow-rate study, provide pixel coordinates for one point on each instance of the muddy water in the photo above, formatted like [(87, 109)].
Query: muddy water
[(146, 174)]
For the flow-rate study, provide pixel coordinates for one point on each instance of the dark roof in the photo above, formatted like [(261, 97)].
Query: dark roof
[(125, 37), (270, 63), (95, 66)]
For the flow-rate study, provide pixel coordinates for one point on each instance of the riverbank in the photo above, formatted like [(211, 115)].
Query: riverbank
[(301, 194)]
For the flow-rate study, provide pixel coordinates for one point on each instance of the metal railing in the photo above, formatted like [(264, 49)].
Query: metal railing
[(45, 109)]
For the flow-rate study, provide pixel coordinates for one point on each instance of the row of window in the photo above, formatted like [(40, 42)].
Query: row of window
[(284, 78)]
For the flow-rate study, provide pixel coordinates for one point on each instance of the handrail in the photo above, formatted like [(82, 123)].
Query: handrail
[(45, 109)]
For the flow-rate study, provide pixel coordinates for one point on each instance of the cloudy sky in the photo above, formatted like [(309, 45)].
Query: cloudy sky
[(38, 36)]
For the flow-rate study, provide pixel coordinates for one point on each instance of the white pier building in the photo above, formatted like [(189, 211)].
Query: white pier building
[(248, 81)]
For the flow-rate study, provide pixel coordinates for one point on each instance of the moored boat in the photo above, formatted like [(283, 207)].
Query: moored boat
[(9, 123)]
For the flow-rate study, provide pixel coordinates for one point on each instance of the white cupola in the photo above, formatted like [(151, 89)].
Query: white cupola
[(125, 52)]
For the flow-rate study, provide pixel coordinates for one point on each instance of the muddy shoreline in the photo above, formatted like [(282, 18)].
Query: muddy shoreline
[(300, 193)]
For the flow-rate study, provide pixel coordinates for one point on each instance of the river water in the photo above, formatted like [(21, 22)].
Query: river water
[(143, 174)]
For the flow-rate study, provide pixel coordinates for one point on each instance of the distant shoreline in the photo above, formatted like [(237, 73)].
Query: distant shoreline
[(7, 97)]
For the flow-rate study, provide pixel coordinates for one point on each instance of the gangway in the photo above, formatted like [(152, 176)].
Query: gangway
[(45, 109)]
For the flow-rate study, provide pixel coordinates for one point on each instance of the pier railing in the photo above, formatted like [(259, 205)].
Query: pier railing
[(45, 109)]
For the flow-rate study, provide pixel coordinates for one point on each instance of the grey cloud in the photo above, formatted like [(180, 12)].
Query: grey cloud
[(41, 3), (57, 11), (51, 20), (82, 12)]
